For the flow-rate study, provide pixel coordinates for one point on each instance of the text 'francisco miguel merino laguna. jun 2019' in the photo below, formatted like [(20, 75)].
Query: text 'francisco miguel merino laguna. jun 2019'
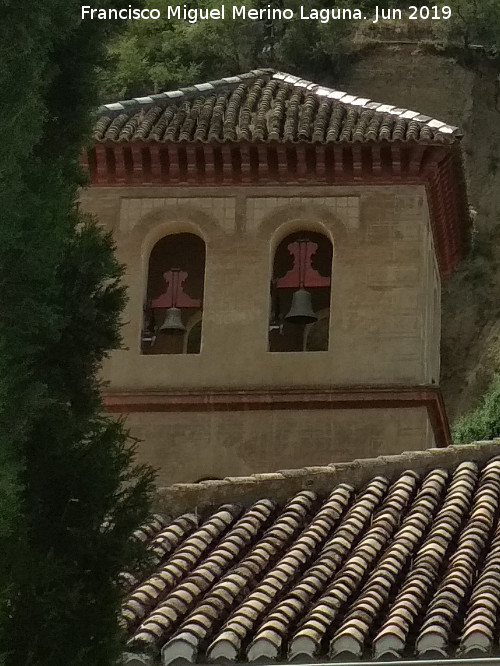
[(269, 13)]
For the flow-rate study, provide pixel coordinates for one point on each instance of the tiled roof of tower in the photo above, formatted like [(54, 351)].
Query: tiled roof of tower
[(391, 570), (263, 105)]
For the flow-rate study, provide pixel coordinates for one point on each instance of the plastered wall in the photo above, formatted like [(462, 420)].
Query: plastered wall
[(186, 447), (384, 323)]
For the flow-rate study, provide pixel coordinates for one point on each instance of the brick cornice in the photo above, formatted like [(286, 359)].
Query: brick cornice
[(196, 164), (291, 399)]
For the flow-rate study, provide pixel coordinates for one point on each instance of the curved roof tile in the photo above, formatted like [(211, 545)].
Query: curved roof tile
[(264, 105), (388, 571)]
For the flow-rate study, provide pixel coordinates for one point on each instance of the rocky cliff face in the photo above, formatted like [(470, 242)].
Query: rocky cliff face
[(466, 95)]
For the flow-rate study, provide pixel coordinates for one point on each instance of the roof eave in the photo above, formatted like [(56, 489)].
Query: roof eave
[(131, 659)]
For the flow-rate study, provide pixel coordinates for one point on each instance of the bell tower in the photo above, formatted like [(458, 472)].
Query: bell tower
[(285, 245)]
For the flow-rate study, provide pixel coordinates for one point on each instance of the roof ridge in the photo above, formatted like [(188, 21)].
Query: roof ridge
[(283, 483), (366, 103), (187, 92)]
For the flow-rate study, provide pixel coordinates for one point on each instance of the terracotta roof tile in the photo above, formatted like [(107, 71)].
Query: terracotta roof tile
[(264, 105), (389, 571)]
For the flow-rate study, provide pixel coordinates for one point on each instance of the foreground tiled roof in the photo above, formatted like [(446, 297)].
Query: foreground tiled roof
[(263, 105), (401, 568)]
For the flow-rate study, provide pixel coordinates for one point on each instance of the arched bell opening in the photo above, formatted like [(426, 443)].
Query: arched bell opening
[(300, 293), (174, 298)]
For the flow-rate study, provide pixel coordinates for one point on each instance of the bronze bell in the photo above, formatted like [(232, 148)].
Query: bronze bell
[(301, 310), (173, 322)]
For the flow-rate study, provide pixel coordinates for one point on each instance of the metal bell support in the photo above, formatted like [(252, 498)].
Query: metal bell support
[(148, 336)]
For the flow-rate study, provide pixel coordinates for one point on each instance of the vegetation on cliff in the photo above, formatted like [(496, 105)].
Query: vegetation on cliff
[(483, 423), (474, 22), (151, 56)]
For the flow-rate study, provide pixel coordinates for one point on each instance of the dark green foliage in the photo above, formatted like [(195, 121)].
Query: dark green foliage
[(484, 422), (151, 56), (474, 22), (371, 5), (64, 468)]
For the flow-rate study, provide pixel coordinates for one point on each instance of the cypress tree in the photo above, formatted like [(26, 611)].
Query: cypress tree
[(70, 490)]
